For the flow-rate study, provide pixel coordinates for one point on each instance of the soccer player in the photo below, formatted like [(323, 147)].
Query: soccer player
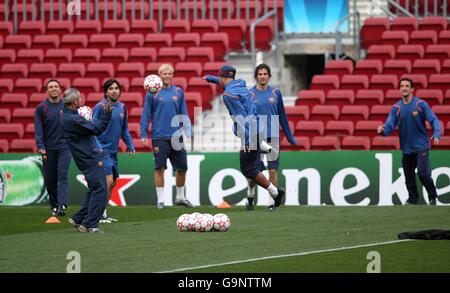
[(242, 109), (269, 104), (409, 115), (52, 146), (109, 139), (79, 134), (167, 110)]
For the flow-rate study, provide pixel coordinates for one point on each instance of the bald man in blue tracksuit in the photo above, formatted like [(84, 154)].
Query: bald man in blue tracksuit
[(409, 115), (79, 134), (242, 109)]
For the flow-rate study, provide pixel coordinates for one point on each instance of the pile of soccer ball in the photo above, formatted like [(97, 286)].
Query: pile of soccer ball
[(152, 83), (203, 222)]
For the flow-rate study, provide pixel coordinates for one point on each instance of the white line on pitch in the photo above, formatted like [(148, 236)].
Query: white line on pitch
[(283, 255)]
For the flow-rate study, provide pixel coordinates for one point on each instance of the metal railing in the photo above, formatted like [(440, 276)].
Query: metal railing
[(430, 8), (338, 49), (252, 32)]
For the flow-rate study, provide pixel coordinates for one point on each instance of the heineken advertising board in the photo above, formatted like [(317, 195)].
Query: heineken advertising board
[(344, 178)]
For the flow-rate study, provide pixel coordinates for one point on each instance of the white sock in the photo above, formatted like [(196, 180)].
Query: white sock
[(251, 191), (271, 201), (273, 191), (180, 192), (160, 194), (105, 215)]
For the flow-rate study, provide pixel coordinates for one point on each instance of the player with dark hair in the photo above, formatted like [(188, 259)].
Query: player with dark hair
[(109, 139), (270, 106), (409, 115), (52, 146), (167, 110), (79, 134), (242, 109)]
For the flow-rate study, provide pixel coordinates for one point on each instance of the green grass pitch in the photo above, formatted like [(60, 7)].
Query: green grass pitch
[(146, 240)]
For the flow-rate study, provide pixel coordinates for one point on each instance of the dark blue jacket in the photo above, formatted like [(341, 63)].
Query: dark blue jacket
[(47, 128), (79, 134)]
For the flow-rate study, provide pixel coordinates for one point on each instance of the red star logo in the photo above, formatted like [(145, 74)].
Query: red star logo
[(8, 175), (122, 183)]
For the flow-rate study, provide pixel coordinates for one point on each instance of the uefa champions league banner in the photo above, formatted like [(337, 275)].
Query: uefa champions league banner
[(344, 178)]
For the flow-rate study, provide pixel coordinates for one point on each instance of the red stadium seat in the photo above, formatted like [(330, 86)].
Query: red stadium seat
[(114, 55), (71, 70), (445, 66), (102, 41), (35, 99), (380, 112), (100, 70), (28, 85), (369, 97), (442, 112), (189, 69), (325, 82), (338, 67), (158, 40), (88, 27), (219, 42), (309, 128), (46, 42), (439, 81), (297, 113), (201, 54), (136, 84), (14, 71), (152, 68), (444, 144), (22, 115), (395, 38), (42, 69), (310, 98), (73, 42), (60, 27), (202, 26), (7, 56), (93, 98), (133, 99), (28, 27), (173, 26), (29, 131), (17, 42), (324, 113), (440, 52), (207, 91), (193, 100), (420, 80), (423, 38), (430, 129), (339, 128), (128, 69), (436, 23), (381, 52), (397, 67), (427, 67), (447, 97), (135, 115), (116, 27), (11, 131), (235, 29), (212, 68), (354, 113), (130, 41), (22, 146), (324, 143), (30, 56), (58, 56), (186, 40), (385, 143), (6, 28), (144, 55), (302, 143), (367, 128), (383, 82), (143, 26), (368, 67), (5, 115), (264, 34), (173, 54), (340, 98), (86, 85), (444, 37), (392, 96), (407, 24), (134, 129), (432, 97), (410, 52), (355, 143), (110, 10), (4, 146), (372, 31), (6, 85), (354, 82)]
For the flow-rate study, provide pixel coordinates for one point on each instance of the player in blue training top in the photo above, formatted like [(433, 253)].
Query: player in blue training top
[(52, 146), (409, 115), (270, 108), (79, 134), (109, 139), (242, 109), (168, 112)]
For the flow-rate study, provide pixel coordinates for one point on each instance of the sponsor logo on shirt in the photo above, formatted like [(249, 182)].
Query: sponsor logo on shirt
[(174, 98), (272, 100), (415, 114)]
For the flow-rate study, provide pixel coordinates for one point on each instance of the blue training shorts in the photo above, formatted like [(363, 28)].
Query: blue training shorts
[(110, 165), (162, 150)]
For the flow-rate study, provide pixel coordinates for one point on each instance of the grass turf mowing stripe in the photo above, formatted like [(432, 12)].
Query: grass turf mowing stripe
[(285, 255)]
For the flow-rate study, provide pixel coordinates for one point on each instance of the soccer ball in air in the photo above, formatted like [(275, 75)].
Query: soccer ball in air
[(153, 84), (85, 112), (221, 222)]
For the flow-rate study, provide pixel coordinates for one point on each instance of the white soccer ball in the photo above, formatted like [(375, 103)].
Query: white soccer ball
[(203, 223), (86, 112), (153, 83), (183, 222), (221, 222)]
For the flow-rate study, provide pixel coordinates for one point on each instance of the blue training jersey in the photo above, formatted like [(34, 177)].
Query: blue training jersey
[(117, 128), (269, 102), (47, 126), (410, 120), (167, 110)]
